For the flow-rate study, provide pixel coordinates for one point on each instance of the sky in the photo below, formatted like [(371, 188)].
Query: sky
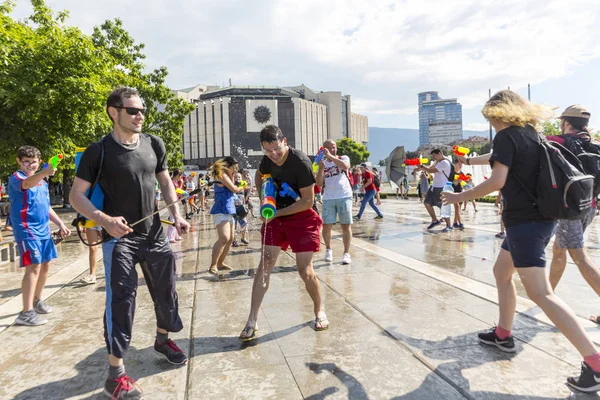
[(381, 52)]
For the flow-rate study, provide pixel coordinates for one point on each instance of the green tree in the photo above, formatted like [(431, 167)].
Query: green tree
[(383, 163), (54, 81), (357, 152), (551, 128)]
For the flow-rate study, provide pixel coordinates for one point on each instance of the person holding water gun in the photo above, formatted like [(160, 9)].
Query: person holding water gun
[(30, 216), (241, 211), (295, 224), (468, 185), (223, 210), (337, 200), (458, 181)]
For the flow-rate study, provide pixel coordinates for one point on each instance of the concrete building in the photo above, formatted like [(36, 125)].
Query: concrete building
[(227, 121), (440, 120), (445, 132)]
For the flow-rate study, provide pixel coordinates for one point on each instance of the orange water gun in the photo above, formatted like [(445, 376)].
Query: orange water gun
[(416, 161), (460, 151), (461, 177)]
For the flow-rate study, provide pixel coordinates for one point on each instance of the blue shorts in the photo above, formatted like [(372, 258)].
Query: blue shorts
[(527, 243), (334, 207), (36, 251)]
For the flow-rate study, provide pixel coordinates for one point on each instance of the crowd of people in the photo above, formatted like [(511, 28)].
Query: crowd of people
[(131, 169)]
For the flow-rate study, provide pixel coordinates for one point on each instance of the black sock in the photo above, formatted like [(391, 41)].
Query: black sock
[(162, 338), (115, 372)]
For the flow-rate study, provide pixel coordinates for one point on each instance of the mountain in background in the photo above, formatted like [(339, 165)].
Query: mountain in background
[(383, 140)]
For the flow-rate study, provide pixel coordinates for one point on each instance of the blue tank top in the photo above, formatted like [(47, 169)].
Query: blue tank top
[(224, 201)]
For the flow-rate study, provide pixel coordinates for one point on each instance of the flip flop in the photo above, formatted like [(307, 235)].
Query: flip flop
[(321, 321), (247, 330)]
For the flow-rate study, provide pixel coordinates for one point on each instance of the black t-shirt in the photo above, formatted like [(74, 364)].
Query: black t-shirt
[(296, 171), (524, 162), (128, 179)]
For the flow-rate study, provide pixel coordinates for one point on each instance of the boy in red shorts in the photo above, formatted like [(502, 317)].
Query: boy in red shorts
[(30, 215), (296, 224)]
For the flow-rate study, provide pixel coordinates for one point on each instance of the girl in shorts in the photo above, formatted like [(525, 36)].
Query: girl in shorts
[(515, 150), (223, 210)]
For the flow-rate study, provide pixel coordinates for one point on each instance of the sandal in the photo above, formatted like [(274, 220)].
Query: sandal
[(324, 322), (246, 331), (213, 270), (89, 280)]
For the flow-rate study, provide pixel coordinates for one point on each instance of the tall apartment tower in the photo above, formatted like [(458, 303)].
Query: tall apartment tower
[(440, 120)]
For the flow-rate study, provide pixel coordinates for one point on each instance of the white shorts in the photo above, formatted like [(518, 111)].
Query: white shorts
[(220, 218)]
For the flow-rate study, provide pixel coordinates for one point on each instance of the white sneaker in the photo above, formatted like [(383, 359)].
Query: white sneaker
[(347, 259), (329, 255)]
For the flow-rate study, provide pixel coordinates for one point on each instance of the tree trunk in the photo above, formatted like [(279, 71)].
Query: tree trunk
[(67, 181)]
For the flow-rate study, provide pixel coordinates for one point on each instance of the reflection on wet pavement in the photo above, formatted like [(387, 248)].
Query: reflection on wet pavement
[(404, 318)]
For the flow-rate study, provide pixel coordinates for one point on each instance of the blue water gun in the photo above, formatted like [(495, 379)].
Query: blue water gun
[(286, 190), (318, 157)]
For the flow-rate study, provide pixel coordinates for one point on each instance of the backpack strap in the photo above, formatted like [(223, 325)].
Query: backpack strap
[(531, 196), (91, 191)]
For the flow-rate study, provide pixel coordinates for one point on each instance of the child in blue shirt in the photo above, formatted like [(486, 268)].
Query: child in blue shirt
[(30, 215)]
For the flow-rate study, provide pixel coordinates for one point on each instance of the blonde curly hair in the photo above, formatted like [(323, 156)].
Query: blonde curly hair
[(507, 106)]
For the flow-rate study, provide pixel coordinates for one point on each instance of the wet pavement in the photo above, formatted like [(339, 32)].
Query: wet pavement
[(404, 317)]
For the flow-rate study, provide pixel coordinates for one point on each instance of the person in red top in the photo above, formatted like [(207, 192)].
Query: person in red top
[(355, 183), (370, 192), (569, 234)]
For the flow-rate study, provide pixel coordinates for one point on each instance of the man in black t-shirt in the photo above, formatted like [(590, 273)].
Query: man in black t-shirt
[(131, 163), (296, 224)]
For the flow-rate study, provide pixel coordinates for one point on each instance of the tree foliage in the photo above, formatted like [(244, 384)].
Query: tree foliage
[(551, 128), (54, 81), (357, 152)]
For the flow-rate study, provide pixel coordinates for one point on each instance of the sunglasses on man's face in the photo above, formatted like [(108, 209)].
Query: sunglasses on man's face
[(133, 110)]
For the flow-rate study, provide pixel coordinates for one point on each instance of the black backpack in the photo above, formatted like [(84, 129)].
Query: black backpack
[(564, 191), (376, 180), (588, 152)]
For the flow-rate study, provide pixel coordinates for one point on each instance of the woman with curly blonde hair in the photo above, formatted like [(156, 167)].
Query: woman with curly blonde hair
[(515, 150)]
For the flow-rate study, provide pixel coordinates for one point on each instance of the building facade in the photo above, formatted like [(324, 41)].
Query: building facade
[(440, 120), (227, 121)]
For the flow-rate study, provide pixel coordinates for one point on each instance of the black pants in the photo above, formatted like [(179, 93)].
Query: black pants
[(158, 266)]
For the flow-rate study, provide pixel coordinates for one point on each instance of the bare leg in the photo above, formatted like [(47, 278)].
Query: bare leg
[(41, 281), (539, 290), (313, 287), (507, 292), (431, 212), (346, 236), (588, 269), (91, 236), (261, 285), (221, 260), (223, 232), (29, 284), (557, 267), (327, 235)]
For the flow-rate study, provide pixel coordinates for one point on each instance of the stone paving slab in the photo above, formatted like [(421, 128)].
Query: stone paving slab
[(402, 326)]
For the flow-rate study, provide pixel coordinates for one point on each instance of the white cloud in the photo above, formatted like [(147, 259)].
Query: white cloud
[(382, 52)]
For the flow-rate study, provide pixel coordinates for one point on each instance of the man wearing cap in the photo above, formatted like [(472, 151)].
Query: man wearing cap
[(569, 234), (370, 190)]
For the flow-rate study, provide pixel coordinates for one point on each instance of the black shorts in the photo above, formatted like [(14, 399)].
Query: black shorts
[(527, 243), (433, 197)]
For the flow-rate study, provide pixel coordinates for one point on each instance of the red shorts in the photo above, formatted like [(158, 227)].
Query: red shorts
[(301, 231)]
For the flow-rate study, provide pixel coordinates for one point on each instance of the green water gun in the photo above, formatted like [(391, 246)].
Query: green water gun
[(54, 161)]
